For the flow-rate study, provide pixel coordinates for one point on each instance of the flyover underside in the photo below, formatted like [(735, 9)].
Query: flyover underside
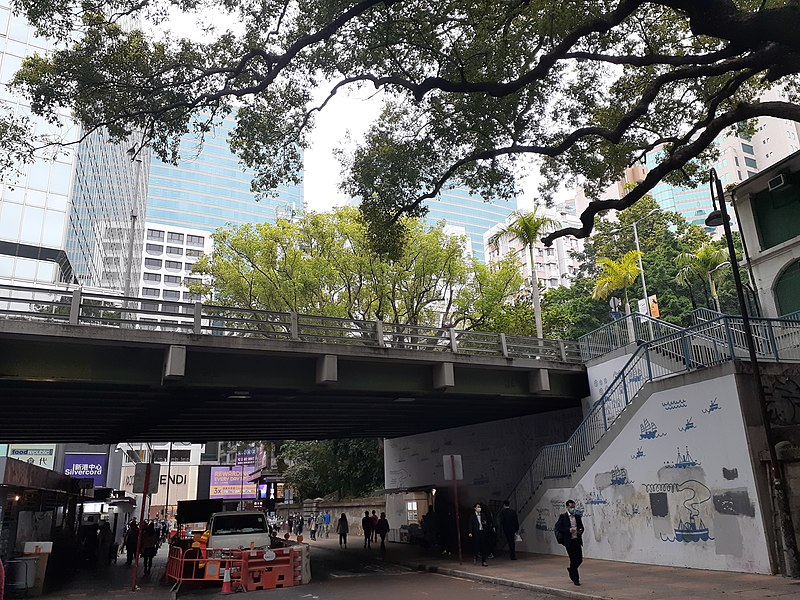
[(66, 388)]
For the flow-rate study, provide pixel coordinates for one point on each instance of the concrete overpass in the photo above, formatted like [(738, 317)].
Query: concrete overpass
[(94, 368)]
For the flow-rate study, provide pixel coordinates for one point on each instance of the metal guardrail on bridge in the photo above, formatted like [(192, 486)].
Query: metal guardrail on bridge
[(78, 306), (706, 344)]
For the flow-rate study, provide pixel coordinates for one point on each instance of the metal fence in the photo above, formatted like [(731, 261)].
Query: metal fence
[(78, 306), (630, 329), (706, 344)]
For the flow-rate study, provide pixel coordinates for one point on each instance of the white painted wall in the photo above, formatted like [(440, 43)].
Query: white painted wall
[(494, 454), (601, 375), (635, 519)]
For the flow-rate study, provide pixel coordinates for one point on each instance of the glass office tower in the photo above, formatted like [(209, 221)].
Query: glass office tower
[(209, 189), (61, 217)]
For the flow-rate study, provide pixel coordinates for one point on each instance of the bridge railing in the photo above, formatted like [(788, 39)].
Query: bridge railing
[(80, 306)]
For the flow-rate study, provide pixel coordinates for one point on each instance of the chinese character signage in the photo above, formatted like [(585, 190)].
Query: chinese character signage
[(229, 483), (86, 466), (41, 455)]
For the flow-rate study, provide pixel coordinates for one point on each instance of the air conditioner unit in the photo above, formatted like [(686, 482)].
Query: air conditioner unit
[(776, 183)]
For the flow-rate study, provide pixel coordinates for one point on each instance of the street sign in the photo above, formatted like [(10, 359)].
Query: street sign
[(139, 477), (453, 468), (614, 303)]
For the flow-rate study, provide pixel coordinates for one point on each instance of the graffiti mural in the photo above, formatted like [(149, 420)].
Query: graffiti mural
[(783, 397), (683, 498)]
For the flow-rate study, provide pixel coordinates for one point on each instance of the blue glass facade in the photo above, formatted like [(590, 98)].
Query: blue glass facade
[(65, 215), (459, 208), (210, 189)]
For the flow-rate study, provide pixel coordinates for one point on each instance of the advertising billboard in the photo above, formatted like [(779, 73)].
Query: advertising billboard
[(229, 483), (41, 455), (86, 466)]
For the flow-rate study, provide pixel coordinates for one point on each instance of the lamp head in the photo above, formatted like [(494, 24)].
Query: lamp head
[(715, 218)]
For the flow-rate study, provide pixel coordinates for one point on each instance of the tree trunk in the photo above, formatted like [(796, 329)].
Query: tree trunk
[(537, 308)]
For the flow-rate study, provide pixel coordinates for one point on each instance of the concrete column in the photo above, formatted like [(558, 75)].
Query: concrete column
[(327, 369), (443, 376)]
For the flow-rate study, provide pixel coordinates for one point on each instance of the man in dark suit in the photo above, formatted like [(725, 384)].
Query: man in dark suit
[(479, 534), (569, 533), (510, 525)]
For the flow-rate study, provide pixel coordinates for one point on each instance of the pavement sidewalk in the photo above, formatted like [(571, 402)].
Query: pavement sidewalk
[(601, 579)]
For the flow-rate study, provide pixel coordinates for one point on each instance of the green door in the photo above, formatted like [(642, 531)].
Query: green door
[(787, 290)]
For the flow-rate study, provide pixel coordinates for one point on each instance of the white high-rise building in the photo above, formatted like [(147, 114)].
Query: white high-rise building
[(170, 252), (775, 139), (555, 266)]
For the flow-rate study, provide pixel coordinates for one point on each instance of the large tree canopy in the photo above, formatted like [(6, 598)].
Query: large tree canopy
[(470, 86)]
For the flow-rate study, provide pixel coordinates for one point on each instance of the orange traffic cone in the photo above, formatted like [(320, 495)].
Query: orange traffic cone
[(226, 582)]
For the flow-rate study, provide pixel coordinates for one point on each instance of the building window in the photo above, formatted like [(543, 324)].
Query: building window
[(190, 297), (170, 308), (751, 174), (175, 238), (174, 250), (736, 160), (194, 253), (171, 294), (152, 263), (150, 292), (194, 240), (750, 163), (173, 279), (151, 277), (191, 281), (159, 455), (150, 306), (748, 148), (411, 510), (171, 264), (155, 235), (154, 248), (181, 456)]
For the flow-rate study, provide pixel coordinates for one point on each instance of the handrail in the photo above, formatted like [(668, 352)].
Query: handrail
[(703, 345), (632, 328), (77, 306), (705, 314)]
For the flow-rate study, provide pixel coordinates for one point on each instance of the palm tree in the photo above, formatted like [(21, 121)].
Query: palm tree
[(703, 265), (617, 276), (527, 227)]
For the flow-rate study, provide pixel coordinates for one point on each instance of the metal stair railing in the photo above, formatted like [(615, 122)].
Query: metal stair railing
[(703, 345), (629, 329)]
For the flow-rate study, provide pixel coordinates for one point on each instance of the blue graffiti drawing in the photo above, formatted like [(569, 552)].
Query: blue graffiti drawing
[(635, 376), (639, 454), (689, 425), (619, 476), (693, 529), (674, 404), (596, 498), (650, 431), (713, 406), (684, 461)]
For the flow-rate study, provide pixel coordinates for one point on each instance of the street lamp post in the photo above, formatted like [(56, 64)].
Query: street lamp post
[(639, 258), (715, 219)]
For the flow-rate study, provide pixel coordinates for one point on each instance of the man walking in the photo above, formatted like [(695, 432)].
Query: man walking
[(381, 529), (569, 533), (478, 533), (509, 523), (326, 519), (366, 525)]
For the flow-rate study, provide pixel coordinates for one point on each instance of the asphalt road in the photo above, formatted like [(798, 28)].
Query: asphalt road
[(342, 576)]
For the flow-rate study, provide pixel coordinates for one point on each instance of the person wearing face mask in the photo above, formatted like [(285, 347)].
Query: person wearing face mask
[(479, 534), (569, 532)]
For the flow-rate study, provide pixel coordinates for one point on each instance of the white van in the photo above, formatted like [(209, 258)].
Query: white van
[(238, 530)]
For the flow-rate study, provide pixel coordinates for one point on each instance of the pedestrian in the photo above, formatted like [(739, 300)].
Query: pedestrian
[(312, 527), (300, 523), (104, 540), (366, 526), (478, 533), (131, 539), (342, 528), (157, 524), (326, 519), (320, 525), (509, 523), (149, 546), (491, 533), (374, 525), (569, 533), (381, 529), (290, 522)]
